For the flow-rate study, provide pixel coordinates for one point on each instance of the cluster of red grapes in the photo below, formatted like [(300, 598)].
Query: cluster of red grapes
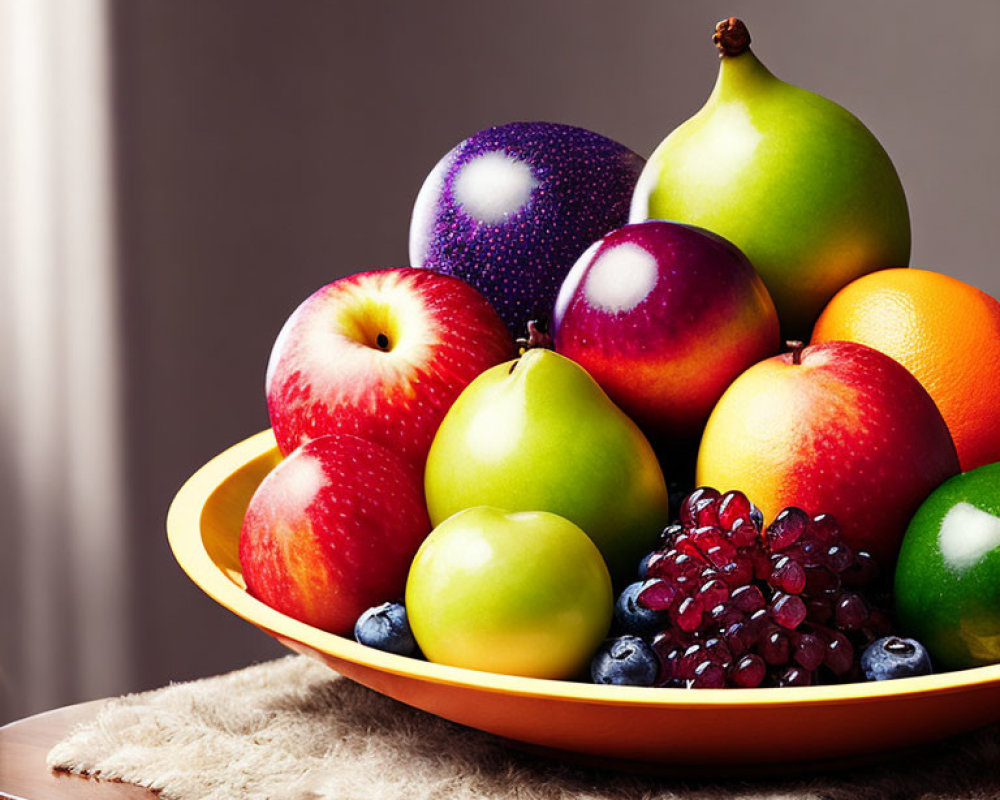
[(736, 608)]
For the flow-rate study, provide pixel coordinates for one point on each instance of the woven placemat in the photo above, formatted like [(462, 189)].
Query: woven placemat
[(292, 729)]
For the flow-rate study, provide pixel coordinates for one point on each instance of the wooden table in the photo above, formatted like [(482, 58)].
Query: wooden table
[(24, 774)]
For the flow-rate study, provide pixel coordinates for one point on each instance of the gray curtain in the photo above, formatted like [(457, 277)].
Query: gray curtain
[(63, 549)]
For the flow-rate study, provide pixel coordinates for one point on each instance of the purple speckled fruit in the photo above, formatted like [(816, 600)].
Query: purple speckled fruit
[(510, 209), (664, 316)]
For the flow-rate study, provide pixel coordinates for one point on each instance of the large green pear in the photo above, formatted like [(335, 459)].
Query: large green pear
[(794, 180), (539, 434)]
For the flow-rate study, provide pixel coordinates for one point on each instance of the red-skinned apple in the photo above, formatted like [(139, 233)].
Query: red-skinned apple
[(836, 428), (332, 530), (381, 355)]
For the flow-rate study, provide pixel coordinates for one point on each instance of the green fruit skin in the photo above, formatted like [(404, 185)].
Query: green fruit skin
[(545, 437), (520, 594), (794, 180), (954, 612)]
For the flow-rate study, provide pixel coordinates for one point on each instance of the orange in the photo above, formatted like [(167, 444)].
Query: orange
[(945, 332)]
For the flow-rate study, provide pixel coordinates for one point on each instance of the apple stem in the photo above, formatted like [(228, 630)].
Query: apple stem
[(732, 38), (796, 347)]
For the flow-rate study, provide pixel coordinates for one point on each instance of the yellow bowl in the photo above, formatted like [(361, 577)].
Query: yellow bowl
[(735, 728)]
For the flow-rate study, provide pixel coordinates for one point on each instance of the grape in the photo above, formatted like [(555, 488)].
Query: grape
[(748, 606)]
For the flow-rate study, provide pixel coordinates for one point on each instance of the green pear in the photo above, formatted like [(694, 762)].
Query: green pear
[(539, 434), (794, 180)]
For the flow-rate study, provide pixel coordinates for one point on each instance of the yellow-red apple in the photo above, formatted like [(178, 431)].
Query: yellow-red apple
[(835, 428)]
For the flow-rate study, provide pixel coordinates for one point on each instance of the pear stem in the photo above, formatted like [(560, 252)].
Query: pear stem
[(796, 347), (537, 337), (731, 37)]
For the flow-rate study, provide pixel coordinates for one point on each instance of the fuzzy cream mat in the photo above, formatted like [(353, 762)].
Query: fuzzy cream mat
[(293, 730)]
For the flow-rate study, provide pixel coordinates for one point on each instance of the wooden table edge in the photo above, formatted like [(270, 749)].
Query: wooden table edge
[(24, 775)]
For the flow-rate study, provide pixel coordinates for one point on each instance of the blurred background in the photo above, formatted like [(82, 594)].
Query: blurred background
[(177, 175)]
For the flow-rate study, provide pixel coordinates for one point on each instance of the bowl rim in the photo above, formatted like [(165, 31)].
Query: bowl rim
[(184, 533)]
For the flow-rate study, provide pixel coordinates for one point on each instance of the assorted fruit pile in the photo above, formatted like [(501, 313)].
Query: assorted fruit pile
[(543, 506)]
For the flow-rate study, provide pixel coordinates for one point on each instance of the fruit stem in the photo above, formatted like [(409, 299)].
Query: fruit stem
[(537, 337), (796, 347), (732, 38)]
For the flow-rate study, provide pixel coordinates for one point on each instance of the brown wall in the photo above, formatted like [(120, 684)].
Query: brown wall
[(265, 148)]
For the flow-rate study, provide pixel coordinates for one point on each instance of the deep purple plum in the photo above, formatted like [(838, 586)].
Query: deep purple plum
[(511, 208), (664, 316)]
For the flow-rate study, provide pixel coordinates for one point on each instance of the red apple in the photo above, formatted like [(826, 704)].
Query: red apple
[(332, 530), (835, 428), (381, 355), (664, 316)]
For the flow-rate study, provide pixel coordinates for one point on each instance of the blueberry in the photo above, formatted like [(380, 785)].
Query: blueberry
[(644, 565), (633, 617), (894, 657), (625, 661), (386, 627)]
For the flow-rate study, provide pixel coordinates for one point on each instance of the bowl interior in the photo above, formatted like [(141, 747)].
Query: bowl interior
[(612, 721)]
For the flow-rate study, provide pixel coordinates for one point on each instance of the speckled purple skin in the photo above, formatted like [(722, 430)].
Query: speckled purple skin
[(584, 188)]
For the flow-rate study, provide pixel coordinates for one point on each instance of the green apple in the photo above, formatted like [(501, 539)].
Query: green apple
[(794, 180), (948, 576), (539, 434), (523, 593)]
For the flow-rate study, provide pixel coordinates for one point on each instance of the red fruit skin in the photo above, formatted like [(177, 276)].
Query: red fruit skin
[(328, 374), (701, 316), (847, 432), (332, 530)]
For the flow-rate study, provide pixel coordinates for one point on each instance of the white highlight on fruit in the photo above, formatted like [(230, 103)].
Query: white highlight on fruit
[(302, 479), (644, 187), (572, 281), (493, 186), (425, 211), (621, 278), (731, 139), (967, 534), (473, 554), (720, 145)]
